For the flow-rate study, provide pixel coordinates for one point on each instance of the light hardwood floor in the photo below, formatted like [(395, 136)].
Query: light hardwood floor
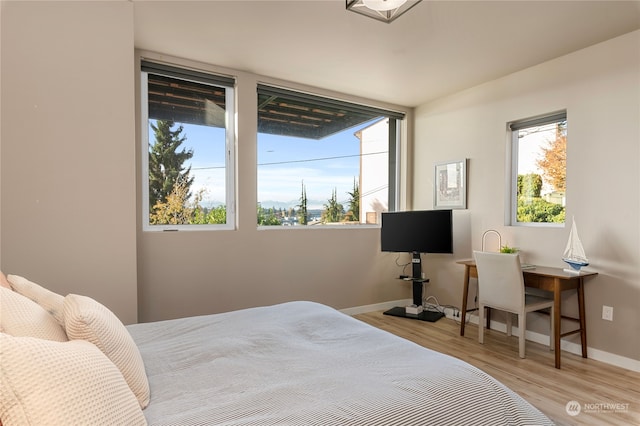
[(591, 383)]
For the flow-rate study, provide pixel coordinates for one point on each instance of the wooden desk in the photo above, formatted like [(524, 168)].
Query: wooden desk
[(554, 280)]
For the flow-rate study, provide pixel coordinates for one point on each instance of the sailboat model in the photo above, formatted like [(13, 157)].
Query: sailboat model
[(574, 252)]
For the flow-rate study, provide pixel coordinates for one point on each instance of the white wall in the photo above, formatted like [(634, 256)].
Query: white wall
[(600, 89), (68, 137), (374, 170)]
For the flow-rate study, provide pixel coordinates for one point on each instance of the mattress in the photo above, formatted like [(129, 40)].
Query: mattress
[(303, 363)]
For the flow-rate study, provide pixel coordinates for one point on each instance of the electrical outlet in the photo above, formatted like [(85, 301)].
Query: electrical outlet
[(607, 313)]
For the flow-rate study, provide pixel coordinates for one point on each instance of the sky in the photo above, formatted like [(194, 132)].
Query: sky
[(284, 163)]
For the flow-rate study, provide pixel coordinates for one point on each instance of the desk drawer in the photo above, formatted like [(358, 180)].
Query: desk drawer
[(533, 281), (539, 281)]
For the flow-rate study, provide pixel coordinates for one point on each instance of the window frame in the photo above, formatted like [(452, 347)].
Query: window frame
[(513, 128), (185, 73)]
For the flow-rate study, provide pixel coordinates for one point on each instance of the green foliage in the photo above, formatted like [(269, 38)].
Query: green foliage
[(166, 162), (529, 185), (206, 216), (507, 249), (179, 210), (539, 210), (303, 215), (174, 210), (333, 211), (267, 217), (353, 214)]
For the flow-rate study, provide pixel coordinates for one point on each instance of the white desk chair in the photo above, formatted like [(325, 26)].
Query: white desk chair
[(501, 286)]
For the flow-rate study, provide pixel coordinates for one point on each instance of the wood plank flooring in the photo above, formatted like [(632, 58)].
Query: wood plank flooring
[(599, 388)]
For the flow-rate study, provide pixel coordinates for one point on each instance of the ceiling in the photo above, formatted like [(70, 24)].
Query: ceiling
[(437, 48)]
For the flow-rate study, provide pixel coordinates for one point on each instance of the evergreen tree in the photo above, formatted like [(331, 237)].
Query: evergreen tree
[(333, 211), (166, 163), (354, 202), (303, 216)]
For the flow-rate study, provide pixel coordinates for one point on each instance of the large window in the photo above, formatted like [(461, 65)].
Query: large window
[(538, 157), (323, 161), (188, 148)]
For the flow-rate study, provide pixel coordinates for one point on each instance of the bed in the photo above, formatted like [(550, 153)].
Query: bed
[(302, 363), (70, 361)]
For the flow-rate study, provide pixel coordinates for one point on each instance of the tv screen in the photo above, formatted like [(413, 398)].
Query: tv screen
[(422, 231)]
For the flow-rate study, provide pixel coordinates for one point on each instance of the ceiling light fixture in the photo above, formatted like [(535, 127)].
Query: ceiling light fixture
[(381, 10)]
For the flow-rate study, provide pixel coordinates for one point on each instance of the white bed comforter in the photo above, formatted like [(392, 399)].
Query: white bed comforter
[(303, 363)]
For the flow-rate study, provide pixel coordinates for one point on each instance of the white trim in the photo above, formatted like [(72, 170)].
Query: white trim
[(376, 307), (574, 348)]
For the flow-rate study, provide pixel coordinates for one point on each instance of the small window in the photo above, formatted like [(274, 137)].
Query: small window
[(539, 156), (323, 161), (188, 149)]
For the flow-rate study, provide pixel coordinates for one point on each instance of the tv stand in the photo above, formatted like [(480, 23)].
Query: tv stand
[(418, 281), (428, 316)]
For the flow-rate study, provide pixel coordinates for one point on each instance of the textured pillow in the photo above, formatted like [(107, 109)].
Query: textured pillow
[(3, 281), (86, 319), (62, 383), (20, 316), (49, 300)]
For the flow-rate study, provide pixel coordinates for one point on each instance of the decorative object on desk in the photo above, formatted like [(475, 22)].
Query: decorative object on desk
[(574, 252), (450, 191), (507, 249)]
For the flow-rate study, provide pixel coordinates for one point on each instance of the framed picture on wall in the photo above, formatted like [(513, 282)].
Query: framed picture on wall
[(450, 183)]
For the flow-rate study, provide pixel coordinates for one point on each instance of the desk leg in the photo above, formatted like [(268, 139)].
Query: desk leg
[(583, 321), (557, 315), (465, 295)]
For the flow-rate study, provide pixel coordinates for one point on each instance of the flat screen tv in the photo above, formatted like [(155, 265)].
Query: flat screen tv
[(421, 231)]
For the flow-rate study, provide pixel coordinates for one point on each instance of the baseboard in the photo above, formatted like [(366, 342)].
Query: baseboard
[(574, 348), (375, 307)]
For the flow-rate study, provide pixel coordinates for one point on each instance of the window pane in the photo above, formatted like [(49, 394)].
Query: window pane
[(540, 163), (187, 162), (320, 164)]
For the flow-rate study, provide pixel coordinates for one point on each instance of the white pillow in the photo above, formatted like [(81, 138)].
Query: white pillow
[(3, 281), (86, 319), (62, 383), (49, 300), (20, 316)]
